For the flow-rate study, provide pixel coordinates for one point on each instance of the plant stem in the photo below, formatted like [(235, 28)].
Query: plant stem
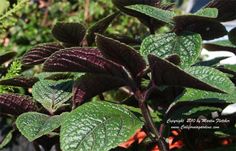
[(149, 122)]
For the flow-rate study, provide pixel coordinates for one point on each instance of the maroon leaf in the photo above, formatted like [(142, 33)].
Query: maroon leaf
[(82, 60), (208, 28), (25, 82), (40, 53), (69, 33), (91, 85), (227, 9), (122, 54), (175, 59), (163, 71), (224, 46), (99, 27), (7, 56), (16, 104)]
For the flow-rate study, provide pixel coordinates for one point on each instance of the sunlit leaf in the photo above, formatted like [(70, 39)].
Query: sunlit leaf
[(207, 12)]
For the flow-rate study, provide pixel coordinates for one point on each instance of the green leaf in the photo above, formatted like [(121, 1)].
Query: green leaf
[(4, 4), (222, 45), (34, 125), (97, 126), (188, 46), (230, 67), (212, 77), (207, 97), (52, 94), (207, 12), (159, 14), (6, 140)]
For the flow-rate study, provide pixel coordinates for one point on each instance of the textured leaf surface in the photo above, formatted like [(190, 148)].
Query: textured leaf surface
[(52, 94), (227, 11), (40, 53), (69, 33), (207, 27), (34, 125), (122, 54), (99, 27), (16, 104), (223, 45), (91, 85), (203, 78), (210, 97), (159, 14), (207, 12), (21, 81), (188, 47), (97, 126), (83, 60), (7, 56), (6, 140)]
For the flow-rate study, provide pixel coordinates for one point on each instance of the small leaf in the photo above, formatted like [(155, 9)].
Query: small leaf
[(82, 60), (222, 45), (232, 36), (69, 33), (6, 140), (203, 78), (40, 53), (26, 82), (97, 126), (91, 85), (227, 11), (33, 125), (122, 54), (52, 94), (16, 104), (211, 62), (208, 28), (100, 27), (156, 13), (207, 12), (187, 46), (7, 56)]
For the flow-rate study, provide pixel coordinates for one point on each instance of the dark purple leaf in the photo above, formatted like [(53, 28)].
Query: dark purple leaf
[(175, 59), (223, 45), (208, 28), (16, 104), (91, 85), (100, 27), (40, 53), (126, 39), (227, 9), (25, 82), (69, 33), (7, 56), (122, 54), (82, 60), (166, 73), (232, 36)]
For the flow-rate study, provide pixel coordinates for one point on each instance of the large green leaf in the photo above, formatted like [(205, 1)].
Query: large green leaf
[(188, 46), (52, 94), (157, 13), (207, 12), (34, 125), (212, 77), (97, 126)]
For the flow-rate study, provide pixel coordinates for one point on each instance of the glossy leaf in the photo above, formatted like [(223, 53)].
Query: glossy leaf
[(6, 140), (207, 12), (69, 33), (203, 78), (7, 56), (38, 54), (232, 36), (91, 85), (52, 94), (208, 28), (33, 125), (188, 46), (82, 60), (16, 104), (26, 82), (100, 27), (227, 11), (97, 126), (122, 54), (222, 45)]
